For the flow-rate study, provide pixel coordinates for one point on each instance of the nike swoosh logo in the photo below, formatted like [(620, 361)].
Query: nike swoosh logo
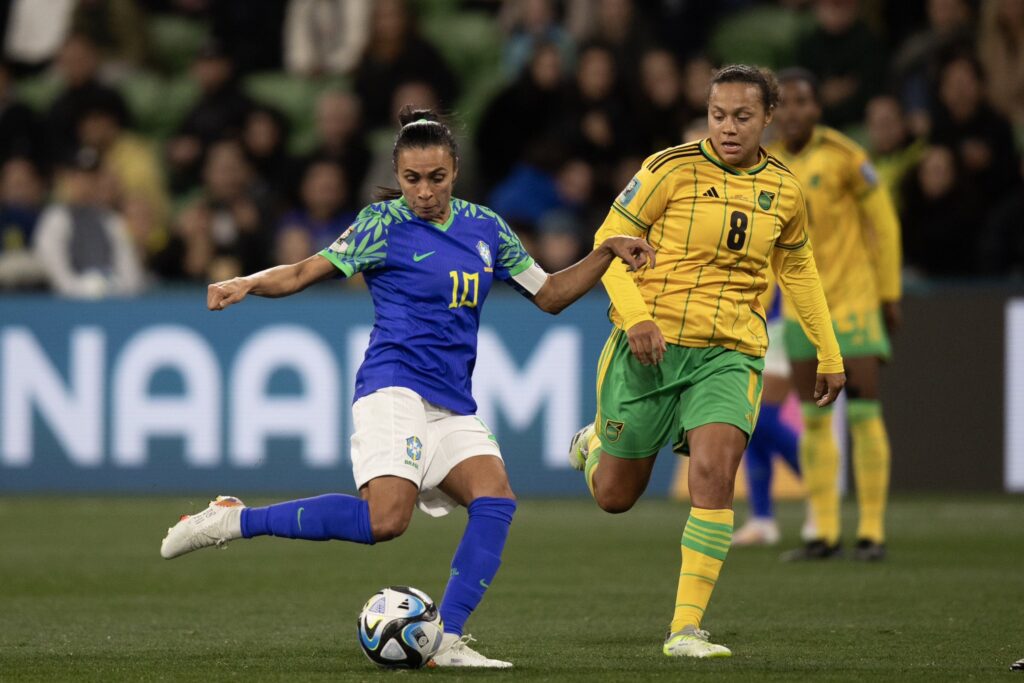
[(419, 257), (484, 584), (299, 516)]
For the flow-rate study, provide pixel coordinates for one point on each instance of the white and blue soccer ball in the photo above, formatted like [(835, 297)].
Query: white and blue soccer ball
[(400, 628)]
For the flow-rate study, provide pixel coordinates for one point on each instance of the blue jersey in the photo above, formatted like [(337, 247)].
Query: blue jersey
[(428, 283)]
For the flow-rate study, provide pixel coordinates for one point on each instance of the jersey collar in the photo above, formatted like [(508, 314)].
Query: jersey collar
[(709, 153), (443, 227)]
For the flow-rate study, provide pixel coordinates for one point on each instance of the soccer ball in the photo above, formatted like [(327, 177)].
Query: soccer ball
[(400, 628)]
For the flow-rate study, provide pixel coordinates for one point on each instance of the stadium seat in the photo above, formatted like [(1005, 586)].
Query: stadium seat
[(38, 91), (294, 97), (471, 43), (158, 104), (762, 35), (174, 41)]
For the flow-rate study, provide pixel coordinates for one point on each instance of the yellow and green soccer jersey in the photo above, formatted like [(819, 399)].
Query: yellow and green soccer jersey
[(851, 221), (716, 229)]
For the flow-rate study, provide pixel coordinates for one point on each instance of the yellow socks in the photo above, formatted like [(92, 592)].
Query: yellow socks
[(871, 459), (819, 465), (705, 543)]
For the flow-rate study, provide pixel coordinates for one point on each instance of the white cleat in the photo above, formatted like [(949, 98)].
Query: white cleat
[(757, 531), (219, 523), (455, 651), (692, 642), (579, 447)]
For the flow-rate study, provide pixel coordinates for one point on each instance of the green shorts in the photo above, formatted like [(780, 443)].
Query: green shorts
[(642, 407), (859, 334)]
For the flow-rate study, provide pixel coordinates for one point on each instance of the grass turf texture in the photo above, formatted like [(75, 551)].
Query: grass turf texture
[(582, 595)]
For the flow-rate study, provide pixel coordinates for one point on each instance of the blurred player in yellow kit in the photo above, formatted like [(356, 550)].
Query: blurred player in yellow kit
[(856, 237), (684, 360)]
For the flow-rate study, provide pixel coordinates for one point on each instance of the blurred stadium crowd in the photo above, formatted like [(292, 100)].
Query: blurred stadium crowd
[(159, 141)]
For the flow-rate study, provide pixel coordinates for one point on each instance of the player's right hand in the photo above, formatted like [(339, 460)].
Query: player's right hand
[(646, 342), (827, 388), (220, 295)]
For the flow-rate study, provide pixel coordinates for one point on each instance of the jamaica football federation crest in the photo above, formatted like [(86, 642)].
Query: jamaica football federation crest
[(613, 430), (765, 199), (485, 252)]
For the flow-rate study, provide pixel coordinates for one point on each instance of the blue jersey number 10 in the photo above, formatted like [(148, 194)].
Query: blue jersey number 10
[(470, 289)]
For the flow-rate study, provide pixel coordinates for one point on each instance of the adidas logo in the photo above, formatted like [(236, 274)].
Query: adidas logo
[(404, 604), (712, 192)]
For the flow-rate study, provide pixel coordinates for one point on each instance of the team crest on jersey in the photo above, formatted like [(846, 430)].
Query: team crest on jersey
[(765, 199), (485, 252), (413, 451), (613, 430), (341, 244), (629, 192)]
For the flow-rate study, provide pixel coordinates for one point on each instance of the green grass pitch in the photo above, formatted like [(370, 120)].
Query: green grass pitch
[(582, 595)]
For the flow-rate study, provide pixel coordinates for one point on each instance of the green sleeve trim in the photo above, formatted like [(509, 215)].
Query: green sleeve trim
[(521, 266), (345, 268), (792, 247), (631, 218)]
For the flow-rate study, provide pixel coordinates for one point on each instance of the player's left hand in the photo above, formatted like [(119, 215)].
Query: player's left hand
[(635, 251), (892, 312), (827, 388)]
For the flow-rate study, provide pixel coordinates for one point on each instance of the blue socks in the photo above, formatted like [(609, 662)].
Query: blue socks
[(770, 436), (334, 516), (759, 475), (476, 560), (347, 518)]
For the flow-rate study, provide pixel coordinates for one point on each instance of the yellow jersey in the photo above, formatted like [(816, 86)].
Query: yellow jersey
[(851, 221), (716, 229)]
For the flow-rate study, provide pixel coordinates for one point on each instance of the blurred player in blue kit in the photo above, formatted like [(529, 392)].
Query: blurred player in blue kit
[(772, 436), (429, 261)]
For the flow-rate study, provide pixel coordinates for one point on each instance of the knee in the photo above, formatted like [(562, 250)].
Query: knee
[(614, 502), (389, 525)]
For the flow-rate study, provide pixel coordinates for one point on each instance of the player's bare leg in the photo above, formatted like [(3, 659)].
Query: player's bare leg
[(391, 500), (617, 483), (715, 453)]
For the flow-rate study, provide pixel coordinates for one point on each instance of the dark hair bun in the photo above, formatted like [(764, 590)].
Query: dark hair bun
[(409, 114)]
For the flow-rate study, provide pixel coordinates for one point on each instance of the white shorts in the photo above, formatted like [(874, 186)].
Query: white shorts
[(775, 360), (400, 434)]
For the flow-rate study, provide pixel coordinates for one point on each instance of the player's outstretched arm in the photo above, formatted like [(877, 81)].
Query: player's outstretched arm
[(566, 286), (273, 282)]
